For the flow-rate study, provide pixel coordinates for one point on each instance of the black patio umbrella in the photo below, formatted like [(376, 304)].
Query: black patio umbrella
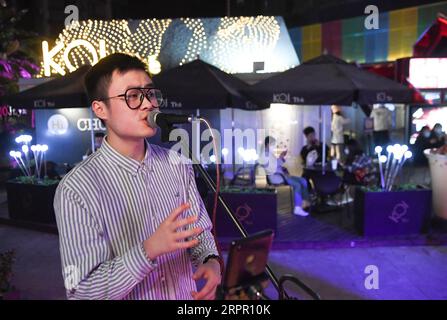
[(327, 80), (199, 85), (61, 92)]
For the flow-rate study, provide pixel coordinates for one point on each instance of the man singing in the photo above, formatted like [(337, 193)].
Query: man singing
[(131, 222)]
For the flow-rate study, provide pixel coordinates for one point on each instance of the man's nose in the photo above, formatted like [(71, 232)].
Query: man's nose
[(147, 104)]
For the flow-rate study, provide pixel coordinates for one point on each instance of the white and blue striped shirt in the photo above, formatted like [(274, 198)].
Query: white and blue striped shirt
[(107, 206)]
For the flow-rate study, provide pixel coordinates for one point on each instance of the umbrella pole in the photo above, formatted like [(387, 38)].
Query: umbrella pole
[(233, 147), (323, 132), (92, 135)]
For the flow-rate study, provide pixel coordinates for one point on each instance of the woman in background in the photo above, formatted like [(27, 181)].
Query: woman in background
[(337, 128)]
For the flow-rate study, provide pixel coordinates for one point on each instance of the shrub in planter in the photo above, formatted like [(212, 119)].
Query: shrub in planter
[(6, 261), (31, 200)]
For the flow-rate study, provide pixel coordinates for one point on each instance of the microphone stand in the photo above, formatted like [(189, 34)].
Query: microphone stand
[(166, 128)]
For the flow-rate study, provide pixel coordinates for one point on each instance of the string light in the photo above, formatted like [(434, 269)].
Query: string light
[(198, 40), (238, 42)]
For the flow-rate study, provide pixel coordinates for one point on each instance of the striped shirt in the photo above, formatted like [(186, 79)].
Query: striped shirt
[(107, 206)]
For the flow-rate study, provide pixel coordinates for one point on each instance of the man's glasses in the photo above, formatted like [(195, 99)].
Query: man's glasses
[(135, 96)]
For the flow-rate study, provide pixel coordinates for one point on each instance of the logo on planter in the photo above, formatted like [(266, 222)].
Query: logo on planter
[(243, 213), (399, 212)]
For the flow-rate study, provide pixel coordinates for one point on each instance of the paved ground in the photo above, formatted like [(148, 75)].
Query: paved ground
[(417, 272)]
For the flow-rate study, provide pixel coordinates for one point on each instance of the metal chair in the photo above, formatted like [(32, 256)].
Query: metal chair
[(324, 186)]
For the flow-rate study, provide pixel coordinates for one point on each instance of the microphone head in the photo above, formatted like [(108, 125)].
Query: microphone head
[(152, 118)]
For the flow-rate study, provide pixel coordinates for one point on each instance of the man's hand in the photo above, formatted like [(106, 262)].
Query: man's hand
[(211, 272), (170, 235)]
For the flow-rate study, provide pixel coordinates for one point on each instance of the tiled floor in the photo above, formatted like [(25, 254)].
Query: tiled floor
[(323, 250), (416, 272)]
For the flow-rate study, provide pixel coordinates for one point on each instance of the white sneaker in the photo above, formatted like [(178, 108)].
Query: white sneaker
[(300, 212)]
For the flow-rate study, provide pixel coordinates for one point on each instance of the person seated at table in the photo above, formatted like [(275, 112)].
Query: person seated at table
[(313, 145), (99, 136), (299, 184), (437, 136), (358, 168), (422, 143)]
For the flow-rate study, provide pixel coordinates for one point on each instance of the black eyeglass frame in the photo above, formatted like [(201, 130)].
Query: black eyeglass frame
[(145, 94)]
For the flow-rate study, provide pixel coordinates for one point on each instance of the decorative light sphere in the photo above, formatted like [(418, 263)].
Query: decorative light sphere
[(383, 158), (408, 154), (378, 149), (246, 157)]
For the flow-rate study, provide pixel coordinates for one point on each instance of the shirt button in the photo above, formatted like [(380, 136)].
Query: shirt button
[(163, 279)]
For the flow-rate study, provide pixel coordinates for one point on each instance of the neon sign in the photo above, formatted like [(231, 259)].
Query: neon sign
[(230, 43)]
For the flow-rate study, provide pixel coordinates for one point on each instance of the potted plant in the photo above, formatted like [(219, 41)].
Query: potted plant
[(390, 209), (404, 210), (437, 159), (7, 291), (30, 199), (31, 195)]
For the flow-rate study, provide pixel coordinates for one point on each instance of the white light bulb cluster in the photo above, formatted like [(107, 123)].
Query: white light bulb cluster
[(38, 153), (248, 154), (394, 160), (24, 139)]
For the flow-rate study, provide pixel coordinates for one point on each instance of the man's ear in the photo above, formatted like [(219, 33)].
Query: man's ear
[(100, 109)]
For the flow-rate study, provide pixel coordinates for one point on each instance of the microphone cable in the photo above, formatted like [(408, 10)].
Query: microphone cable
[(214, 214)]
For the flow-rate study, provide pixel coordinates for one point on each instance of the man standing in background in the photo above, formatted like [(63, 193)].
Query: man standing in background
[(382, 124)]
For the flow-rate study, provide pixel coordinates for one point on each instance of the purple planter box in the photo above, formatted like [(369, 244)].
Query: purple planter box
[(392, 213), (30, 202), (256, 211), (12, 295)]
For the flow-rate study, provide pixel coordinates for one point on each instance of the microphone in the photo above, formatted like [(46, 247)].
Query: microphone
[(156, 118)]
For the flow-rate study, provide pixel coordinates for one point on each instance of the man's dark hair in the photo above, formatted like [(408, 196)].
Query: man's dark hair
[(97, 80), (308, 130)]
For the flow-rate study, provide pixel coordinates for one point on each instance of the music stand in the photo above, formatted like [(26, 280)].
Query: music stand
[(245, 277)]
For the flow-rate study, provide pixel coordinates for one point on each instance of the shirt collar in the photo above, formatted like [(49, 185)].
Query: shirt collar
[(124, 162)]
